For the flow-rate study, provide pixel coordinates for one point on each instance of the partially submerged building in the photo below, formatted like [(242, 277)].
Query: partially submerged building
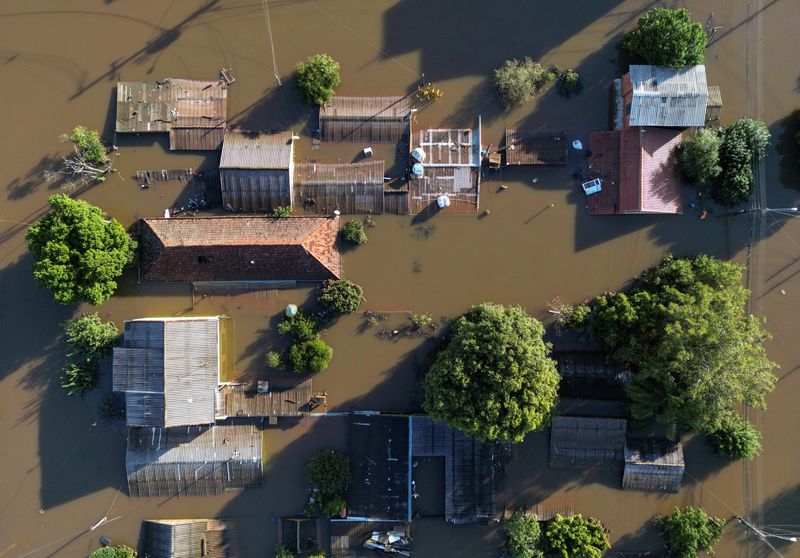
[(365, 119), (536, 147), (193, 112), (192, 460), (379, 448), (665, 97), (253, 249), (347, 187), (368, 539), (450, 174), (256, 170), (639, 171), (587, 442), (653, 465), (187, 538), (591, 375), (468, 467), (169, 369)]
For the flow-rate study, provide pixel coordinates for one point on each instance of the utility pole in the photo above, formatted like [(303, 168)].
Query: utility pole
[(763, 534)]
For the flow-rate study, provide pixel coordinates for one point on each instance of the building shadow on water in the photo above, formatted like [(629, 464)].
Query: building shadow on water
[(786, 133), (278, 108)]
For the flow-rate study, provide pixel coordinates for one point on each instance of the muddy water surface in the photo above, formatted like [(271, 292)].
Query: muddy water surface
[(63, 470)]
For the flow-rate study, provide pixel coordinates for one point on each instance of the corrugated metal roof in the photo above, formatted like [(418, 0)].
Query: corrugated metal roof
[(587, 442), (168, 370), (256, 150), (536, 147), (366, 108), (350, 188), (192, 460), (468, 463), (251, 190), (668, 97), (460, 184), (450, 147), (653, 465), (240, 249), (186, 538)]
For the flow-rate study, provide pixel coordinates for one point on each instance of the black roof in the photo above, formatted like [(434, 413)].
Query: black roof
[(380, 463)]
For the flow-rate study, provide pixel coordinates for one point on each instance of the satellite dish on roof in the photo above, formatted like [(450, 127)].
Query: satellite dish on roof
[(443, 201)]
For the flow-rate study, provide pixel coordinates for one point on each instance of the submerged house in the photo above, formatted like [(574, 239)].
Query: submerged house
[(256, 170), (653, 465), (639, 170), (169, 369), (666, 97), (193, 112), (347, 187), (365, 119), (536, 147), (587, 442), (255, 249), (449, 176), (187, 538), (192, 460)]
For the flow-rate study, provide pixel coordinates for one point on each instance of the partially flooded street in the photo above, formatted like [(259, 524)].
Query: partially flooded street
[(64, 469)]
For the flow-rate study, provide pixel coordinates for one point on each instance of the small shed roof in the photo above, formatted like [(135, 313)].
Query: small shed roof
[(168, 369), (379, 448), (661, 96), (587, 442), (256, 150), (240, 249), (194, 460), (238, 401), (653, 465), (536, 147), (369, 119), (468, 462), (186, 538), (350, 188)]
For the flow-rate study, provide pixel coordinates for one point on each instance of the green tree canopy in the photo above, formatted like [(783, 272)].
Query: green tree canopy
[(77, 254), (666, 37), (736, 438), (120, 551), (354, 233), (328, 472), (576, 537), (317, 78), (89, 335), (516, 81), (340, 296), (743, 142), (690, 530), (695, 351), (699, 156), (89, 143), (313, 356), (493, 379), (523, 536)]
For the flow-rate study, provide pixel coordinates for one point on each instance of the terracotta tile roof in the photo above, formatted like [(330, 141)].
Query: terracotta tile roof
[(240, 249), (639, 171)]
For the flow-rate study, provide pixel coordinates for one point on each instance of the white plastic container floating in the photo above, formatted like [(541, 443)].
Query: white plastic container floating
[(418, 155), (443, 201), (291, 310), (367, 152), (577, 145), (417, 170)]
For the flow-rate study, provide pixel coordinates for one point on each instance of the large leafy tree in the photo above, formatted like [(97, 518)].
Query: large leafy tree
[(695, 352), (522, 536), (77, 253), (743, 142), (667, 37), (576, 537), (317, 78), (328, 472), (690, 530), (493, 379), (699, 156)]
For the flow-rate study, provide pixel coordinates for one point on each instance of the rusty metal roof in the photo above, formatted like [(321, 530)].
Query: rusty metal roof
[(668, 97), (366, 108), (256, 150), (536, 147), (240, 249)]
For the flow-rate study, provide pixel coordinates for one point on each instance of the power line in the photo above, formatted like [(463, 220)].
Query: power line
[(268, 23)]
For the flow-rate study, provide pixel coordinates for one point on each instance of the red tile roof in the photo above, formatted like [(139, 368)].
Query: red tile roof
[(639, 171), (240, 249)]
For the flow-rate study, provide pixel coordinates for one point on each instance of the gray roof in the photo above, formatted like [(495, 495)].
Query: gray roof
[(186, 538), (256, 150), (668, 97), (168, 369), (587, 442), (193, 460)]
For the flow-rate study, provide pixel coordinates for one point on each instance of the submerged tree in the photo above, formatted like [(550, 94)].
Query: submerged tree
[(516, 81), (317, 78), (690, 530), (523, 536), (666, 37), (736, 438), (493, 379), (78, 253), (699, 156), (120, 551), (576, 537), (695, 351), (89, 161), (743, 143), (90, 336), (340, 296), (328, 472)]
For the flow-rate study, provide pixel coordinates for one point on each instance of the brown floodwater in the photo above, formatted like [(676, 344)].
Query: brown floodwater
[(63, 471)]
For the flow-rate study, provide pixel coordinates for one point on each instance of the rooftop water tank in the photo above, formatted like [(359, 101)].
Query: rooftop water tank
[(417, 170), (418, 155), (443, 201)]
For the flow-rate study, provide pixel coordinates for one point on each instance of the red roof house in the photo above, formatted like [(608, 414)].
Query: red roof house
[(639, 171), (239, 249)]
